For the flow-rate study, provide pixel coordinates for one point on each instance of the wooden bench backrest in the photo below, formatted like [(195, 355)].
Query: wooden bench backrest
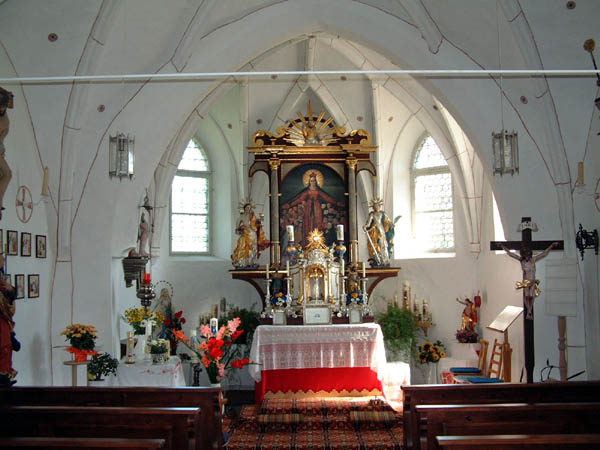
[(209, 400), (448, 394), (520, 441), (541, 418), (89, 443), (170, 424)]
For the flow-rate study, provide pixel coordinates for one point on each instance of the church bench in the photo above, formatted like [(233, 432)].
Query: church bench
[(447, 394), (513, 441), (505, 418), (36, 442), (170, 424), (209, 400)]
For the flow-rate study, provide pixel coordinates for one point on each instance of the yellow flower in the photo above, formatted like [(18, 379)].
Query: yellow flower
[(443, 354), (436, 357)]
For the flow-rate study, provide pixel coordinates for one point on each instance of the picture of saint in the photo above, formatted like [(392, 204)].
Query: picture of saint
[(312, 198)]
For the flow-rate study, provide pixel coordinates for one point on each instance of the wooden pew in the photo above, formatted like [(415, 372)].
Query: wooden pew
[(448, 394), (514, 441), (504, 418), (209, 400), (75, 442), (170, 424)]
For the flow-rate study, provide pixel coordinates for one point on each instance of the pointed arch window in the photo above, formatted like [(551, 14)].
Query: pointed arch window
[(433, 211), (190, 203)]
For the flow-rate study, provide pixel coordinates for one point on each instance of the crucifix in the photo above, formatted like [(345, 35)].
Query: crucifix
[(529, 283)]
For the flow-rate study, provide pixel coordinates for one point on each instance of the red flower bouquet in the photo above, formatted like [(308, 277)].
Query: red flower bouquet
[(217, 352)]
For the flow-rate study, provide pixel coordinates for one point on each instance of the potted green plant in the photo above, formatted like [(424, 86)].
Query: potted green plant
[(400, 329), (102, 365), (159, 350)]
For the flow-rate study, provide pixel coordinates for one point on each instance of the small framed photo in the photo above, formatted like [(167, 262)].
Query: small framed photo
[(20, 285), (12, 242), (25, 244), (33, 283), (355, 315), (317, 315), (40, 246)]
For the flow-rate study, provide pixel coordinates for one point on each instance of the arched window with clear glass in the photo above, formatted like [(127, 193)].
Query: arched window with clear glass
[(190, 203), (433, 218)]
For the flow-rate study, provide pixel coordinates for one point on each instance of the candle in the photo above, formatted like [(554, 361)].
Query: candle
[(340, 232), (214, 324), (45, 182), (147, 278), (148, 327), (287, 268), (290, 232), (342, 268), (267, 268), (364, 270), (580, 173)]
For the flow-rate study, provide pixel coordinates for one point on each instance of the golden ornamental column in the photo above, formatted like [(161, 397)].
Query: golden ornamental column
[(274, 164), (351, 162)]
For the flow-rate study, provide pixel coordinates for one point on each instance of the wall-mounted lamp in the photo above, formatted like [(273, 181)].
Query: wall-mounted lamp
[(121, 156), (586, 239), (506, 152)]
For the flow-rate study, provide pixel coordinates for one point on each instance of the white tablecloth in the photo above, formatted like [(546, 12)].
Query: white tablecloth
[(144, 373), (317, 346)]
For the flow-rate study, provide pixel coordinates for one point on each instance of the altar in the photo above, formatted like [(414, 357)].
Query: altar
[(308, 360), (144, 373)]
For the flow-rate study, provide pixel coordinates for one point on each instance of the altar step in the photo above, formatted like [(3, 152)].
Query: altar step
[(332, 423)]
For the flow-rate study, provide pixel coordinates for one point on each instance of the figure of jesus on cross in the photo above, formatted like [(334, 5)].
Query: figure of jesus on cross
[(529, 284)]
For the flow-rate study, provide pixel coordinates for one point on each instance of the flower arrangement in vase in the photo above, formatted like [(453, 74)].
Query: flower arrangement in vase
[(217, 351), (101, 365), (431, 352), (82, 339), (139, 317), (172, 322)]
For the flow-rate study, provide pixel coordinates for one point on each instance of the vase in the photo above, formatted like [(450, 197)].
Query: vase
[(158, 358), (173, 342), (430, 374), (140, 347)]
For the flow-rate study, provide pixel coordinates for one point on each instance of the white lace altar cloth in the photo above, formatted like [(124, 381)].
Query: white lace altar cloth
[(317, 346), (144, 373)]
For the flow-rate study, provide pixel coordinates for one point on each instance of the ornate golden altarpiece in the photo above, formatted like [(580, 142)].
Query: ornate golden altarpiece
[(311, 159)]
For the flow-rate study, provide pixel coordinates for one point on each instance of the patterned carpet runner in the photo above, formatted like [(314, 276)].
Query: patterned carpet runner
[(319, 423)]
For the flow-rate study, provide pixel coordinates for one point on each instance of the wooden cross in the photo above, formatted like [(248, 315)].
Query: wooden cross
[(526, 244)]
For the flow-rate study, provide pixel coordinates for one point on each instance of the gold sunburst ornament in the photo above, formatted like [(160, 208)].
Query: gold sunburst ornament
[(316, 240), (311, 130)]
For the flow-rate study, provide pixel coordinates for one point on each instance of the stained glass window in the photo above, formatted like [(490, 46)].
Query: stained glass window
[(432, 198), (190, 203)]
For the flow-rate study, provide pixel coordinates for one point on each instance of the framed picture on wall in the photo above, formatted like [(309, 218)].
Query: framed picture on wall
[(40, 246), (2, 249), (12, 242), (20, 285), (33, 283), (25, 244)]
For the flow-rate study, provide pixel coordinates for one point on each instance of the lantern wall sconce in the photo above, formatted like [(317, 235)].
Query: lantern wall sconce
[(121, 156), (506, 152)]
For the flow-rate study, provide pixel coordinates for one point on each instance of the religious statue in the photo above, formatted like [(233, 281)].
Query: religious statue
[(5, 172), (252, 240), (469, 314), (380, 235), (8, 342), (529, 284), (144, 236)]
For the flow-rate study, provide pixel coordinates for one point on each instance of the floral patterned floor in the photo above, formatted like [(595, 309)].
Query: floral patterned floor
[(359, 423)]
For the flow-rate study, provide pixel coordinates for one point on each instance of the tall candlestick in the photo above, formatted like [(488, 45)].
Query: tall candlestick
[(364, 270), (287, 268), (340, 232), (290, 232), (267, 267)]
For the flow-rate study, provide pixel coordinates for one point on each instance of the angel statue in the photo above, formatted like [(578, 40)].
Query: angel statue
[(380, 234), (252, 240)]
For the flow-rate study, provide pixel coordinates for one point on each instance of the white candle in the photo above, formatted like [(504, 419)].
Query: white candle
[(364, 270), (340, 232), (267, 267), (287, 268), (342, 268), (148, 327), (290, 232)]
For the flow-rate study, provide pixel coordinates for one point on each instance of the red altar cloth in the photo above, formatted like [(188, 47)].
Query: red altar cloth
[(342, 380)]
